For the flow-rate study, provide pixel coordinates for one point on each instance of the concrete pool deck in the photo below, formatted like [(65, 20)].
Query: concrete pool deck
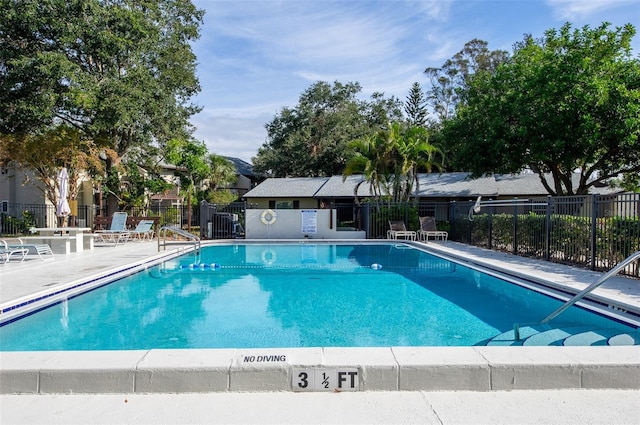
[(398, 385)]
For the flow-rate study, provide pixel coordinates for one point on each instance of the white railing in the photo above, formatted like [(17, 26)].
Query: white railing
[(163, 242), (614, 271)]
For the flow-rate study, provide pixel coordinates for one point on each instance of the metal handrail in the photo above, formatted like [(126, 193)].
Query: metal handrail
[(477, 206), (614, 271), (162, 236)]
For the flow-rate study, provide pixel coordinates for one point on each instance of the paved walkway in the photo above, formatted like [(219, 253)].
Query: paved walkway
[(34, 275), (566, 407), (408, 407)]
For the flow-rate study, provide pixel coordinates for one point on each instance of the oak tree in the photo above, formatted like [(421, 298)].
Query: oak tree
[(311, 139), (565, 104)]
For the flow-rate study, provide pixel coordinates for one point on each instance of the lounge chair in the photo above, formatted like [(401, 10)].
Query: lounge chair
[(6, 252), (398, 229), (117, 232), (428, 230), (143, 230), (43, 251)]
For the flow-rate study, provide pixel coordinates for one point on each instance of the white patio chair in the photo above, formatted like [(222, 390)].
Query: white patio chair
[(398, 229), (43, 251), (117, 232), (7, 252), (428, 230), (143, 231)]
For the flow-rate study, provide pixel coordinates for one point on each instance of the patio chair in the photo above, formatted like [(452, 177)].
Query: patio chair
[(398, 229), (428, 229), (43, 251), (143, 230), (117, 232), (6, 252)]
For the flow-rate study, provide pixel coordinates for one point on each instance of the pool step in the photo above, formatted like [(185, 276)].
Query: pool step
[(546, 335)]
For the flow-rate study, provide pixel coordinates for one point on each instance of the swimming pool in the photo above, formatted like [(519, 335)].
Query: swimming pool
[(294, 295)]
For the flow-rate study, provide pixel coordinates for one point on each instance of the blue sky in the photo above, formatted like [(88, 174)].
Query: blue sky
[(256, 57)]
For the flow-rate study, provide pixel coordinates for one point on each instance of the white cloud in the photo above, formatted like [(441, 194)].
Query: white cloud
[(251, 51), (238, 137), (579, 9), (437, 10), (258, 56)]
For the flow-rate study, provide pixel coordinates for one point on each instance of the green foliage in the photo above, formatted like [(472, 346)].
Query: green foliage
[(190, 156), (121, 72), (137, 186), (224, 196), (452, 78), (618, 237), (391, 159), (416, 106), (45, 154), (17, 225), (396, 212), (222, 172), (311, 139), (94, 76), (570, 101), (570, 237), (170, 216)]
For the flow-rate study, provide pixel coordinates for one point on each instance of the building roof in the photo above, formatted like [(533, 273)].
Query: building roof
[(433, 185), (242, 167), (335, 187), (289, 187), (528, 183), (454, 185)]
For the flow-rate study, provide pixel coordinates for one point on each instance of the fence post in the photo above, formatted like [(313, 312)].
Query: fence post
[(452, 219), (365, 217), (515, 226), (547, 229), (594, 227), (204, 218), (490, 227)]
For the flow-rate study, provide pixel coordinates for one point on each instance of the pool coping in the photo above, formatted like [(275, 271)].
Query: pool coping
[(372, 369), (368, 369)]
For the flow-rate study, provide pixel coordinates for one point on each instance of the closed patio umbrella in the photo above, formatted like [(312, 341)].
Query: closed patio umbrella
[(63, 209)]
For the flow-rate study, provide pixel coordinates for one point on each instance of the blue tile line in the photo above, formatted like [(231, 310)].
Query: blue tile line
[(88, 282)]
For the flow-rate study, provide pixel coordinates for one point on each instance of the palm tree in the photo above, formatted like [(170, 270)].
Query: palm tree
[(371, 159), (391, 159), (222, 172), (416, 154)]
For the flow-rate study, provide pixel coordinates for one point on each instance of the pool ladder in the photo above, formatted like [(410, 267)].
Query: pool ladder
[(162, 237), (614, 271)]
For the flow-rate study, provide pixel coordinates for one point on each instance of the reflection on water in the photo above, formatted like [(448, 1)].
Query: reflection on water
[(298, 295)]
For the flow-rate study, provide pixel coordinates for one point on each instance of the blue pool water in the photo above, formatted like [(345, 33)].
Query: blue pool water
[(292, 295)]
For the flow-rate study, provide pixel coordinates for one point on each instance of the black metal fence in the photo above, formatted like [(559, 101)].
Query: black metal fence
[(17, 219), (374, 217), (222, 221), (594, 231)]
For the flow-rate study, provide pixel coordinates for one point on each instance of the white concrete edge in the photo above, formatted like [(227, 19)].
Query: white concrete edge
[(379, 369), (68, 290), (275, 369)]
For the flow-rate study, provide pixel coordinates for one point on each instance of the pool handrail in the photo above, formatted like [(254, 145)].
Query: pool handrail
[(477, 206), (162, 237), (614, 271)]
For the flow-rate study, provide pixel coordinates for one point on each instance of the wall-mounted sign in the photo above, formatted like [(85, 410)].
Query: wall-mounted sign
[(309, 221)]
